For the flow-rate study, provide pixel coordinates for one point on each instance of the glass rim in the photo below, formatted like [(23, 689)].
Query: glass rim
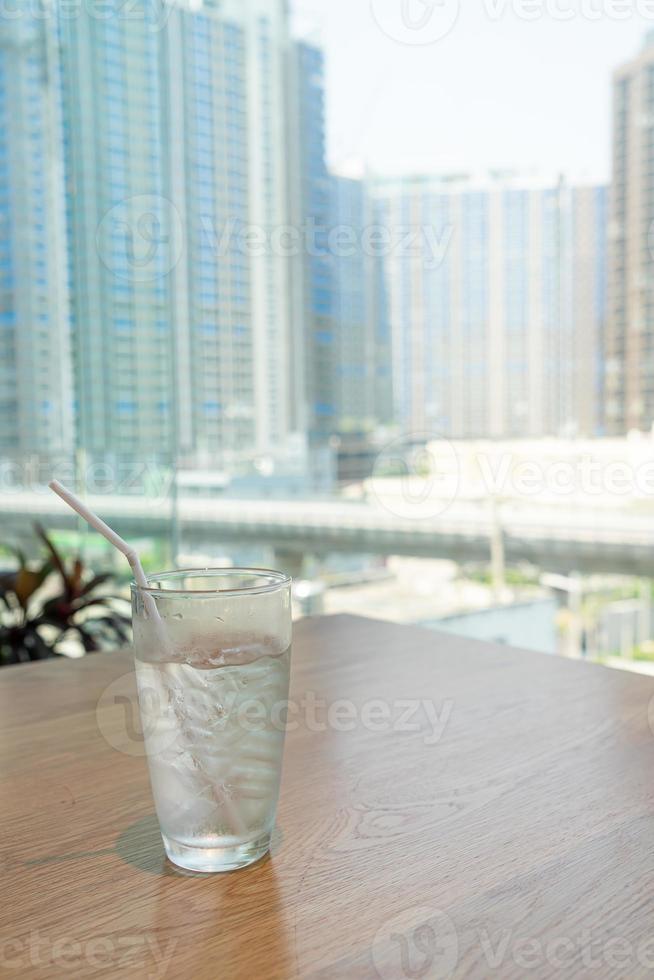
[(276, 582)]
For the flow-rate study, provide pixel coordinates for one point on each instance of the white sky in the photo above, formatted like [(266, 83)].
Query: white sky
[(498, 91)]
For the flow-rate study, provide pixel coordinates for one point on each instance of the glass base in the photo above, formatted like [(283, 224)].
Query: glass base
[(211, 860)]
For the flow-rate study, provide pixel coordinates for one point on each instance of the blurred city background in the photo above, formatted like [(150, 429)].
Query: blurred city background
[(283, 285)]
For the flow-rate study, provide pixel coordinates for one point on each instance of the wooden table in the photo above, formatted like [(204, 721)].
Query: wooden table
[(510, 835)]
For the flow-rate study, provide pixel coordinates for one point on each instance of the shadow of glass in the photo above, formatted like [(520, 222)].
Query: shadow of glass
[(140, 845)]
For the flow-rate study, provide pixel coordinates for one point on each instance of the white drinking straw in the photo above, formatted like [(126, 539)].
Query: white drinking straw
[(232, 815), (139, 575)]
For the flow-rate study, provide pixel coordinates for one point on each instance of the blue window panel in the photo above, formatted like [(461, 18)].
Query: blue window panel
[(126, 408), (323, 307), (212, 409)]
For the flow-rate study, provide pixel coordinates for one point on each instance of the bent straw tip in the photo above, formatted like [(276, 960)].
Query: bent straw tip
[(111, 536)]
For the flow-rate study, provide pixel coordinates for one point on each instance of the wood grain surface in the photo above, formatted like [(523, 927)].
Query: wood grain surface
[(509, 834)]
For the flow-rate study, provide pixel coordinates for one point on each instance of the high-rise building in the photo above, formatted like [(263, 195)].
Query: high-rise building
[(188, 340), (362, 368), (630, 332), (584, 298), (36, 391), (226, 98), (354, 367), (155, 307), (496, 295), (122, 232), (380, 313), (313, 342)]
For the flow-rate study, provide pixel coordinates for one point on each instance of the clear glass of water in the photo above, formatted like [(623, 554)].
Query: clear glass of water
[(213, 677)]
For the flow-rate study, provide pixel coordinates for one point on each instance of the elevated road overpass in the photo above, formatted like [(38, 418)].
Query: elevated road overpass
[(558, 538)]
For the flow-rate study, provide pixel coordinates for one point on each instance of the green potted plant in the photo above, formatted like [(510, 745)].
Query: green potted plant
[(51, 609)]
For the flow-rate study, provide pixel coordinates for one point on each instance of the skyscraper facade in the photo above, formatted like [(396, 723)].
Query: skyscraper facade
[(182, 327), (584, 294), (362, 371), (171, 151), (174, 282), (314, 351), (121, 234), (36, 390), (496, 298), (630, 333), (226, 97), (354, 371)]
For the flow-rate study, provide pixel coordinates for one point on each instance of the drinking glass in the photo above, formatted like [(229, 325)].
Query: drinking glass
[(213, 676)]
